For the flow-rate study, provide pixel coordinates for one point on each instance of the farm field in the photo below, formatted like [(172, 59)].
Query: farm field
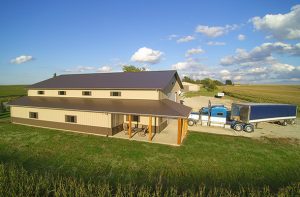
[(12, 90), (9, 92), (265, 93)]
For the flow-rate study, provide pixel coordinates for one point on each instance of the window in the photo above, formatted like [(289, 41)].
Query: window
[(72, 119), (41, 92), (86, 93), (33, 115), (133, 118), (61, 92), (219, 114), (115, 93)]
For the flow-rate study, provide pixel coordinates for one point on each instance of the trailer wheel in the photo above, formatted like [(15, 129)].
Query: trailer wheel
[(191, 122), (249, 128), (238, 127), (292, 121), (284, 123)]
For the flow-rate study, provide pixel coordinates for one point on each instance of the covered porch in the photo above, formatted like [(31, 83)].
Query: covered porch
[(172, 134)]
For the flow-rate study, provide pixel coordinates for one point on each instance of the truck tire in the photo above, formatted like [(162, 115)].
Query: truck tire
[(191, 122), (249, 128), (238, 127)]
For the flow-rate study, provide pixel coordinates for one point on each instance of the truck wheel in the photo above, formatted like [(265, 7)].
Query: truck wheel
[(238, 127), (249, 128), (284, 123), (191, 123)]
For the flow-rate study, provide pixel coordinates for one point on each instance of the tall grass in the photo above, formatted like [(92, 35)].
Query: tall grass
[(16, 181)]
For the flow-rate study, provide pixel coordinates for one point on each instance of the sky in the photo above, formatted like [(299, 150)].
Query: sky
[(249, 41)]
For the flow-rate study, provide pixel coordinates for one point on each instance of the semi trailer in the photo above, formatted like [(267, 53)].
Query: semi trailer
[(244, 116)]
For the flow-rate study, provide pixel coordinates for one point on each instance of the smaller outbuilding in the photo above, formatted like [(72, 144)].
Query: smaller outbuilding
[(187, 87)]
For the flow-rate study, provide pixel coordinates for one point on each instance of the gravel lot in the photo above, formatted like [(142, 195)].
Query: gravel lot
[(264, 129)]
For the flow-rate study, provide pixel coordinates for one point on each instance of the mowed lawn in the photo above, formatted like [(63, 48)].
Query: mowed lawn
[(212, 160)]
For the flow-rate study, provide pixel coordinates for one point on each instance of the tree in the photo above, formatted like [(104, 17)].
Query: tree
[(187, 79), (209, 84), (131, 68), (2, 107), (54, 75), (218, 83), (228, 82)]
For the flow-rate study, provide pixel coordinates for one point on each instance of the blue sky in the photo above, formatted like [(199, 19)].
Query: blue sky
[(245, 41)]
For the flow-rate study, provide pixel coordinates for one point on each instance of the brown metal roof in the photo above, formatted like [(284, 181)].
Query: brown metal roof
[(162, 108), (117, 80)]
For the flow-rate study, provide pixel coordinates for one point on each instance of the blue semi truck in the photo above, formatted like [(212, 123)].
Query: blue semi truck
[(244, 116)]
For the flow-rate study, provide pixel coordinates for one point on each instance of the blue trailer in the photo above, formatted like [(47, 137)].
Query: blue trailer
[(244, 115)]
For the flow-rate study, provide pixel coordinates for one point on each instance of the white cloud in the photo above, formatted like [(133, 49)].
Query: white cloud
[(172, 36), (83, 69), (259, 65), (237, 78), (283, 67), (190, 64), (224, 72), (215, 31), (212, 43), (21, 59), (262, 53), (280, 26), (194, 51), (104, 69), (147, 55), (295, 79), (181, 66), (241, 37), (258, 70), (80, 69), (186, 39)]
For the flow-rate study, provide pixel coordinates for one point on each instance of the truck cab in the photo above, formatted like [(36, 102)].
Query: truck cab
[(215, 115)]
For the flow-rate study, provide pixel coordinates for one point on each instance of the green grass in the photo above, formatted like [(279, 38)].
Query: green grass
[(203, 159)]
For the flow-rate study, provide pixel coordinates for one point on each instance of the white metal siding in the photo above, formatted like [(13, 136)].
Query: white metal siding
[(125, 94), (83, 118)]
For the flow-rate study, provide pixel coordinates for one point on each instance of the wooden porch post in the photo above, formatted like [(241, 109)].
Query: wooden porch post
[(129, 126), (179, 131), (186, 126), (150, 128)]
